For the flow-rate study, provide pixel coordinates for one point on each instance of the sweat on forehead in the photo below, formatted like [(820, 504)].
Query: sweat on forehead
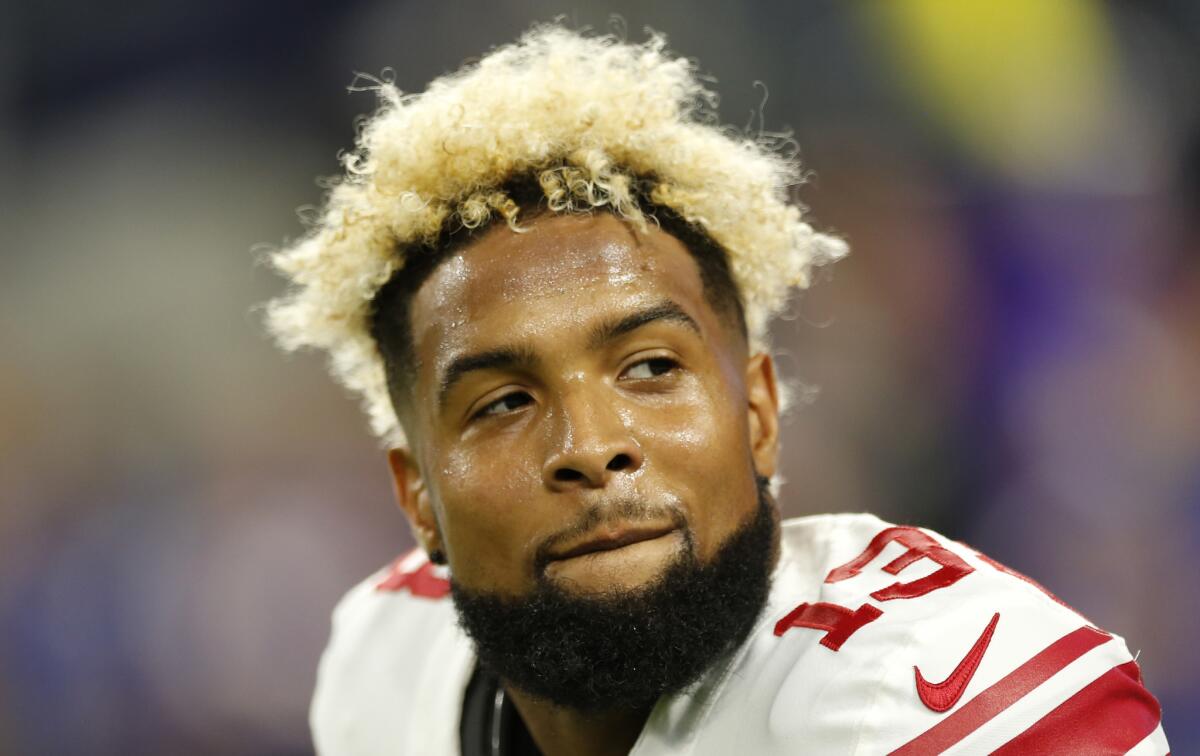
[(593, 123), (501, 275), (535, 263)]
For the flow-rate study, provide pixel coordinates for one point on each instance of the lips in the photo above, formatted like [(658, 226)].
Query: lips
[(612, 538)]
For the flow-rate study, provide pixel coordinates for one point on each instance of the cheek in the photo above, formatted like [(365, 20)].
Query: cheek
[(700, 449), (486, 515)]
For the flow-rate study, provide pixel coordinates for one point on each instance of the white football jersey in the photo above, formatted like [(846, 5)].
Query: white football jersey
[(876, 639)]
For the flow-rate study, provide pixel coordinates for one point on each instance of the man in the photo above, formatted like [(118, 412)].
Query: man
[(549, 277)]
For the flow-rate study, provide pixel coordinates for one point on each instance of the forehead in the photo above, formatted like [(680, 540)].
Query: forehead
[(562, 272)]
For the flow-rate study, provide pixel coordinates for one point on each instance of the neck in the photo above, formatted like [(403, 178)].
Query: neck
[(558, 731)]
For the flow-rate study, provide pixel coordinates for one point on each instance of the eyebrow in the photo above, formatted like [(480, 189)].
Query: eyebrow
[(522, 356), (502, 358), (611, 330)]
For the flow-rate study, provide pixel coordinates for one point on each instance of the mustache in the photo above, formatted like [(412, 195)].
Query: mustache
[(624, 510)]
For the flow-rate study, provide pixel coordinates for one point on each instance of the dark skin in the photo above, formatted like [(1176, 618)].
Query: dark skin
[(571, 366)]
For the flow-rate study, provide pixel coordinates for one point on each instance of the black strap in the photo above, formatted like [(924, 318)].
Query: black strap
[(490, 724)]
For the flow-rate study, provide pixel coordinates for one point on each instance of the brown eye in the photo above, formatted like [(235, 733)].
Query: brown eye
[(505, 404), (651, 368)]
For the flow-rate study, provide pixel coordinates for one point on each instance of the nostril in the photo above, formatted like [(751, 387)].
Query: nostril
[(620, 462), (566, 474)]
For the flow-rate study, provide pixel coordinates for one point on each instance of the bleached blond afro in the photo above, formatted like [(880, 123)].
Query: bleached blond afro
[(598, 123)]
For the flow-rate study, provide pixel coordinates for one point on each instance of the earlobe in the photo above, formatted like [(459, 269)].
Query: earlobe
[(413, 498), (763, 406)]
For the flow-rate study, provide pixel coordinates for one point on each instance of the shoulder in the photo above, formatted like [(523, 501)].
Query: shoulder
[(395, 655), (882, 638)]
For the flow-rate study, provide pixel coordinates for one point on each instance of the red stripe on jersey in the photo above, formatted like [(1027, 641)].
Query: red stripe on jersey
[(423, 581), (1111, 715), (1008, 690)]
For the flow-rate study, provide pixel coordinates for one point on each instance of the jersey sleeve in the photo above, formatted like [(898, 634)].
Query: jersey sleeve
[(392, 675), (946, 651)]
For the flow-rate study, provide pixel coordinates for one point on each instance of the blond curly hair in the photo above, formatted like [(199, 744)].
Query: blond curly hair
[(590, 119)]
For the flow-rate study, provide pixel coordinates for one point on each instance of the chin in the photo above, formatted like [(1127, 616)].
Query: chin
[(621, 630)]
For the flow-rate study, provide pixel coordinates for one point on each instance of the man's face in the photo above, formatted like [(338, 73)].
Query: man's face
[(582, 417)]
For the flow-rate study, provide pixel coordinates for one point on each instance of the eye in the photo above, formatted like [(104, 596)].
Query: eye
[(504, 405), (651, 368)]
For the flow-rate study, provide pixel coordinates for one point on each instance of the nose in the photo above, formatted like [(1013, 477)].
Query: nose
[(591, 445)]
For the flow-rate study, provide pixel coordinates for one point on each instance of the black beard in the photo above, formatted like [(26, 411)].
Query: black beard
[(626, 649)]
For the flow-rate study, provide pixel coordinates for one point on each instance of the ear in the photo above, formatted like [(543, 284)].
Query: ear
[(763, 406), (413, 498)]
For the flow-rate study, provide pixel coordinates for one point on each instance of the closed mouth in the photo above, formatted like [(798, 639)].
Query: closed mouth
[(614, 538)]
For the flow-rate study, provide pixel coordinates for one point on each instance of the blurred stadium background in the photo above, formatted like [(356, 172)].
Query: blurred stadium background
[(1011, 354)]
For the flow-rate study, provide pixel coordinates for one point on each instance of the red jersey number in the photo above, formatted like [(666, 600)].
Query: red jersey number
[(839, 622)]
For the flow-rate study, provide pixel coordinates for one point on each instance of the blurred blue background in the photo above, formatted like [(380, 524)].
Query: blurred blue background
[(1011, 354)]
